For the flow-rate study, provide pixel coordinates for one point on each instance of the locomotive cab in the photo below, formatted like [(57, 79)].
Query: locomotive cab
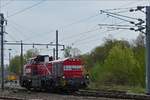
[(74, 74), (33, 69)]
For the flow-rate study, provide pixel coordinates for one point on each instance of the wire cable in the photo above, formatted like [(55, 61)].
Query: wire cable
[(79, 40), (25, 9), (81, 33), (18, 26), (79, 21), (18, 30), (76, 22), (94, 35), (120, 18), (6, 4), (119, 8), (86, 42), (102, 11)]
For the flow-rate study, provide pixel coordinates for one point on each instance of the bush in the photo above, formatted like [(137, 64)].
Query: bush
[(120, 68)]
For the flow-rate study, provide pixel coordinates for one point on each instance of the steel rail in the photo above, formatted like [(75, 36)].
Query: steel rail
[(112, 94)]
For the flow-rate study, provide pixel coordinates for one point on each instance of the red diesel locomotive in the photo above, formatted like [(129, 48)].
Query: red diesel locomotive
[(42, 72)]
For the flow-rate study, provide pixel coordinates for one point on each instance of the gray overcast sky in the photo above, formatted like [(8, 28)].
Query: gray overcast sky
[(73, 18)]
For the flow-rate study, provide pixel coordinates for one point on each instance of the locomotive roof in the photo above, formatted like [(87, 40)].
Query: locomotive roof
[(62, 60)]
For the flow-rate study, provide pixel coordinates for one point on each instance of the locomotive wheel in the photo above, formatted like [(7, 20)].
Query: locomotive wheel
[(28, 85)]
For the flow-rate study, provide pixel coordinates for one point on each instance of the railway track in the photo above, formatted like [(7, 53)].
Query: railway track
[(10, 98), (86, 93), (112, 94)]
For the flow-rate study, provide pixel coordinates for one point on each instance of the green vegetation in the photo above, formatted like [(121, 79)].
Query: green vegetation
[(15, 64), (71, 52), (119, 64)]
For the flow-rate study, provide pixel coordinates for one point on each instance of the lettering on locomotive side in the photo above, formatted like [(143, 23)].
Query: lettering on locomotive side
[(71, 67)]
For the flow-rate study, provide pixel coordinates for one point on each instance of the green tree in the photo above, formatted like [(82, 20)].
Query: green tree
[(139, 53), (15, 61), (117, 62), (120, 67), (15, 64), (100, 53), (30, 53), (67, 51), (75, 52)]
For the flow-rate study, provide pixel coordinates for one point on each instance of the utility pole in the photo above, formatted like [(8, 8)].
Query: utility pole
[(2, 49), (56, 44), (9, 55), (21, 58), (53, 53), (148, 49)]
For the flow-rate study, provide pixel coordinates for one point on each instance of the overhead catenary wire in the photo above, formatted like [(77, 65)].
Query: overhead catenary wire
[(85, 19), (81, 33), (115, 25), (61, 27), (78, 21), (25, 9), (89, 31), (69, 25), (94, 30), (85, 42), (75, 22), (124, 11), (102, 11), (113, 9), (18, 30), (117, 18), (39, 44), (18, 26), (78, 34), (14, 39), (7, 3), (83, 39), (121, 19)]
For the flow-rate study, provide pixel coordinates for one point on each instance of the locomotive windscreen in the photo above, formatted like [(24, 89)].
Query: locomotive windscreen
[(42, 58)]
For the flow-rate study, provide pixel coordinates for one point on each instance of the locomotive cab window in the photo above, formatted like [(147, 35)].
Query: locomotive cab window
[(42, 58)]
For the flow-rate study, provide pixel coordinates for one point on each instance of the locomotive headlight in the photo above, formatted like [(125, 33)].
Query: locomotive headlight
[(87, 76), (63, 77)]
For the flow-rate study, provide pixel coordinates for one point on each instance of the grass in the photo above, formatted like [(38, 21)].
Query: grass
[(128, 89)]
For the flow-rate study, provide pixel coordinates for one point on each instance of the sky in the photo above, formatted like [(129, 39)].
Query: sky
[(76, 20)]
